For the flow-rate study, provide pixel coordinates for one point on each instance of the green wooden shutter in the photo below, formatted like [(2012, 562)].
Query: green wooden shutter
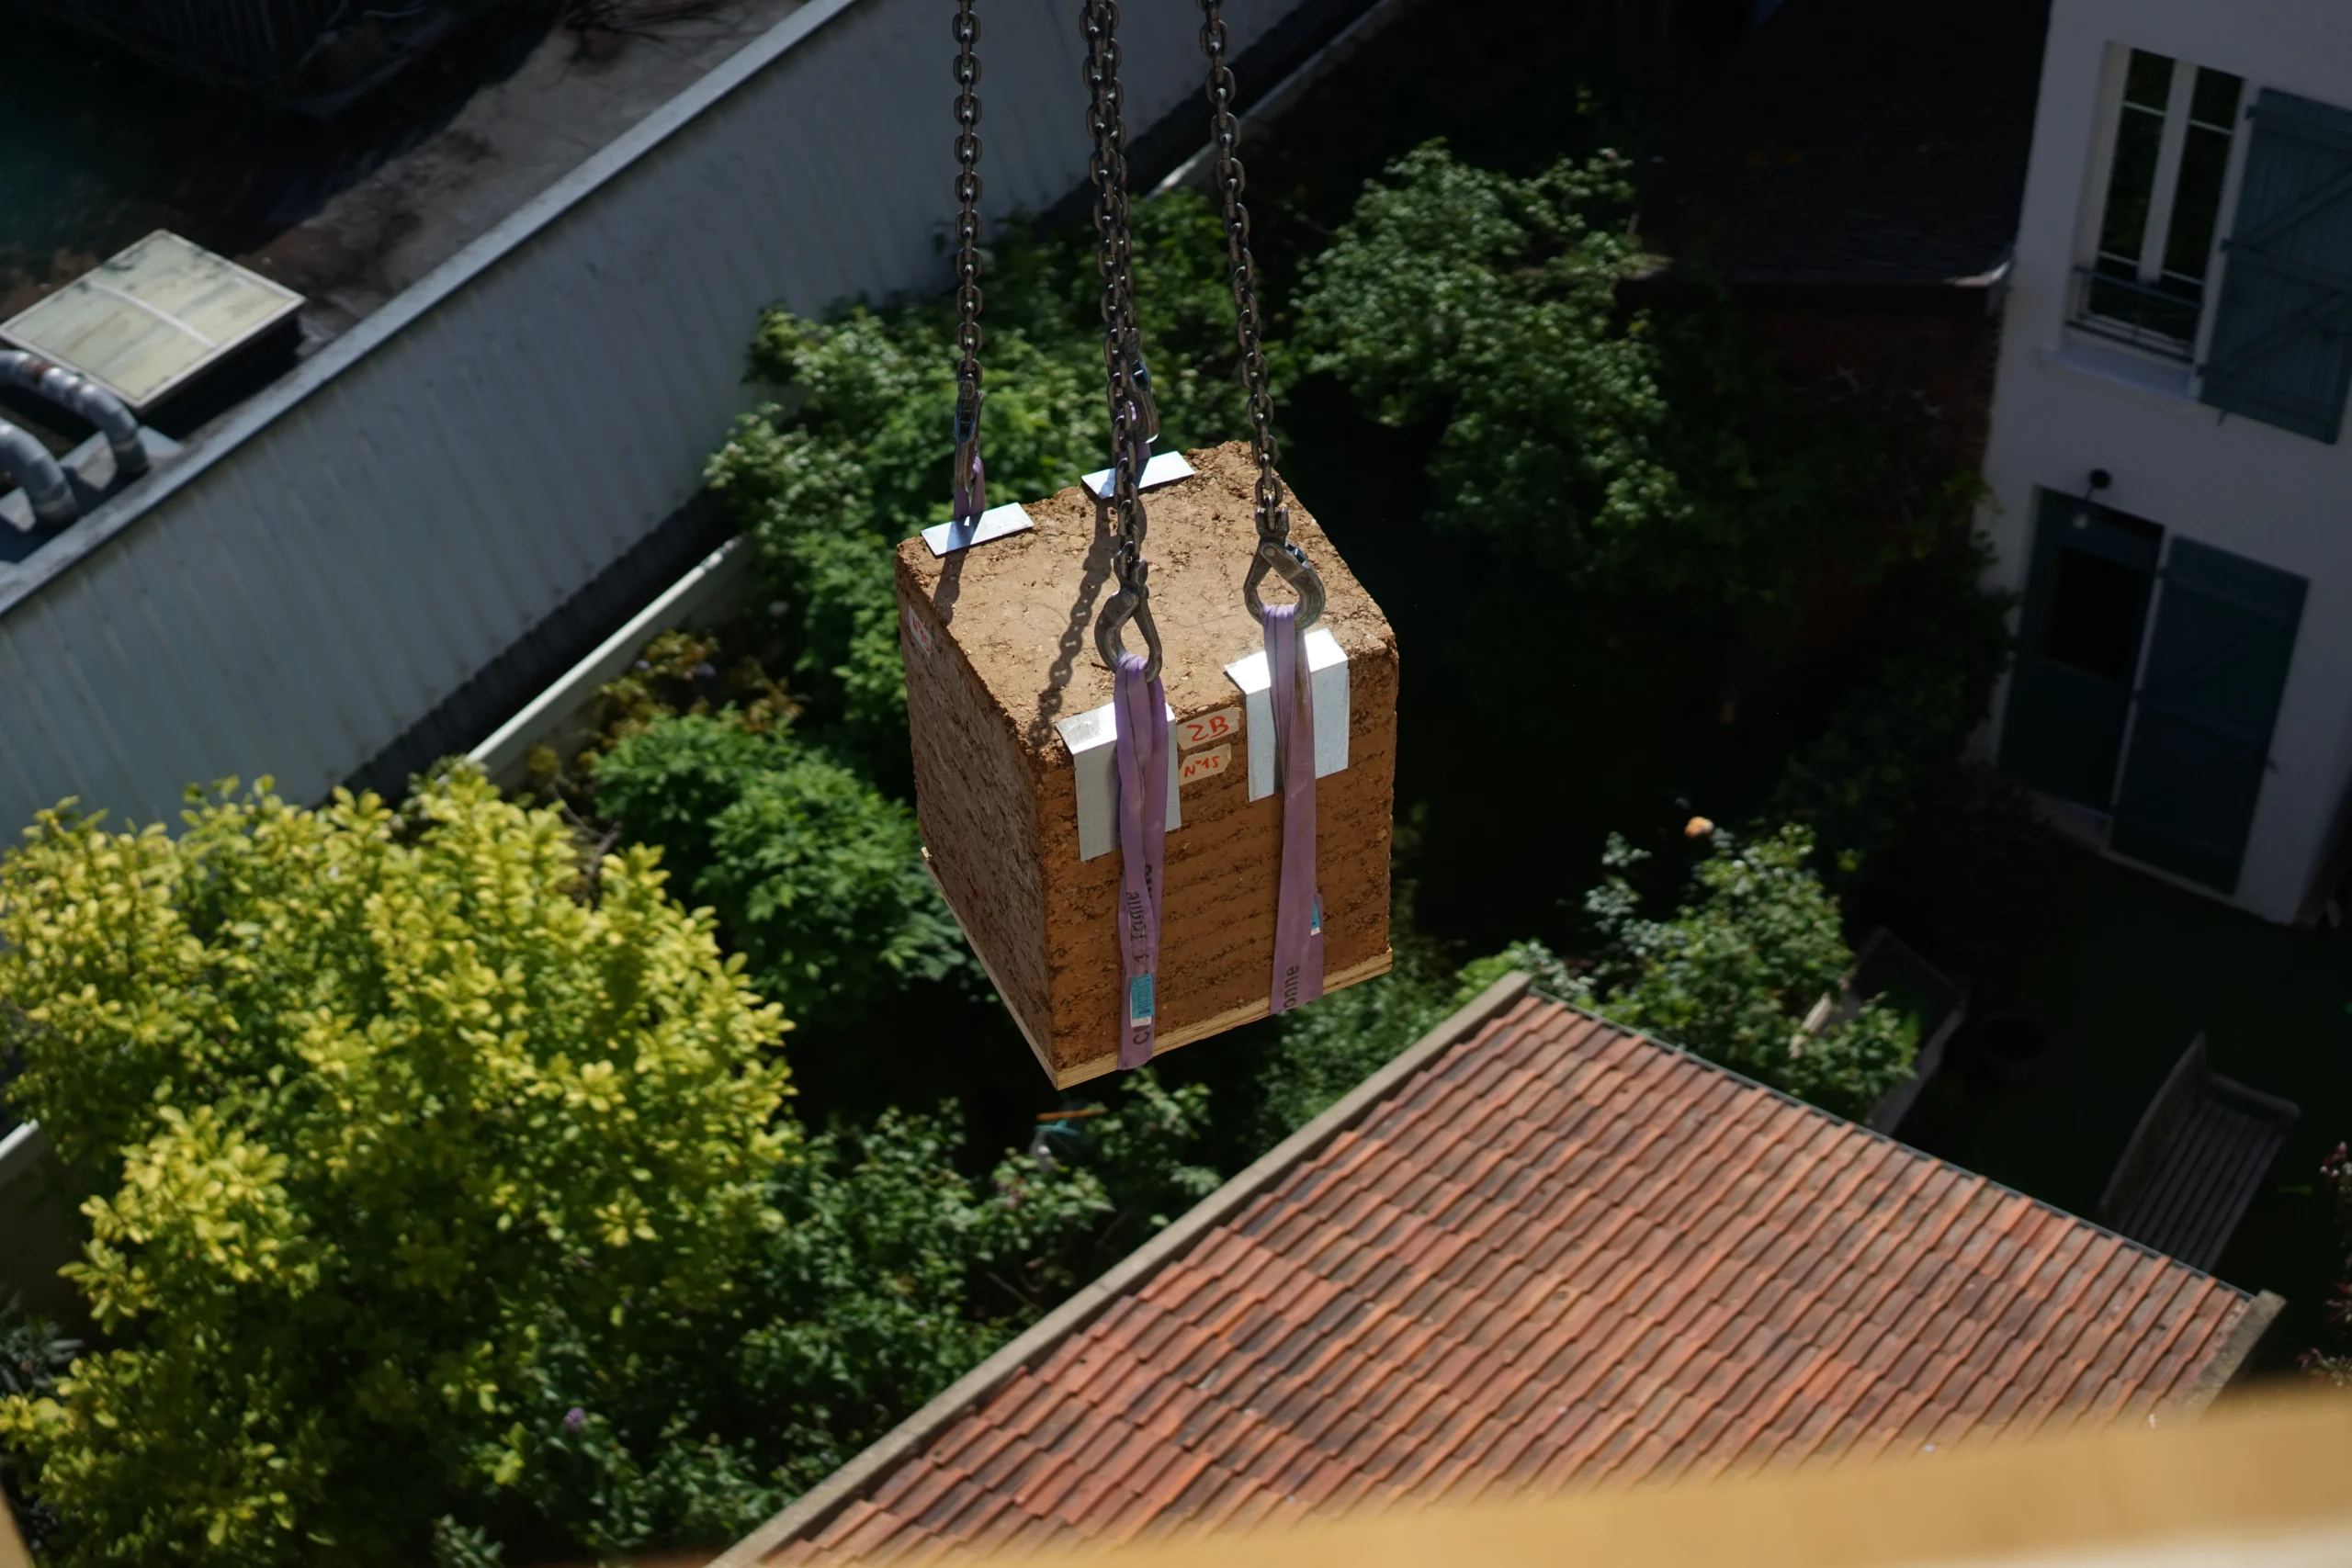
[(2217, 663), (2281, 350)]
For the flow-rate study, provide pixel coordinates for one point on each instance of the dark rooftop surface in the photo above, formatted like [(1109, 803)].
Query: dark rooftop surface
[(1859, 142), (98, 147)]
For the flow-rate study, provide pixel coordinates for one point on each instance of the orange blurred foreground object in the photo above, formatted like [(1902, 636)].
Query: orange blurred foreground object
[(2261, 1481)]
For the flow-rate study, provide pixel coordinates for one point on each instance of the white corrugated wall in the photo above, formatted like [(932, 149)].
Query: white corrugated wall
[(347, 550)]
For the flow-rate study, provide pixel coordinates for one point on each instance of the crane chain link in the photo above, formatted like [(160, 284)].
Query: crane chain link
[(970, 481), (1274, 551), (1133, 422)]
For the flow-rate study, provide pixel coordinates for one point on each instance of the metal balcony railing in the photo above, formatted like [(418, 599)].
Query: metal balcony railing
[(2156, 317)]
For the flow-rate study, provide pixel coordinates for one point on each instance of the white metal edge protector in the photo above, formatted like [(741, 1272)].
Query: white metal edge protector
[(1094, 759), (994, 523), (1164, 468), (1327, 666)]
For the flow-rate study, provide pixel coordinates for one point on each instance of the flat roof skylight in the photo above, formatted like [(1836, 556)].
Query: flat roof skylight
[(153, 318)]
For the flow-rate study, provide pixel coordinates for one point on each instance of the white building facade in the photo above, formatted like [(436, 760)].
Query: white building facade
[(2170, 477)]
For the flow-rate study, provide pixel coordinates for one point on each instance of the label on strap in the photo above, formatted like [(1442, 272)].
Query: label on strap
[(1298, 916), (1140, 711)]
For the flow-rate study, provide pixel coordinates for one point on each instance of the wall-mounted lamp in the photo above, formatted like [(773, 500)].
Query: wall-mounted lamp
[(2100, 479)]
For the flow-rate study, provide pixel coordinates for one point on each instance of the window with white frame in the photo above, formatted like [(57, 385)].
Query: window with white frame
[(2145, 283)]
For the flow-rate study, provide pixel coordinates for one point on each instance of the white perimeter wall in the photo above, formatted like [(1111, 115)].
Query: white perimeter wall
[(2061, 411)]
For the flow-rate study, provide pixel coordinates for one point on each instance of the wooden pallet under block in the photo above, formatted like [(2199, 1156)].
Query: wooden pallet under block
[(998, 645)]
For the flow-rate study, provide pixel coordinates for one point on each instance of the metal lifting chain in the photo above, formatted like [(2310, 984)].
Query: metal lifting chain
[(970, 481), (1133, 425), (1274, 552)]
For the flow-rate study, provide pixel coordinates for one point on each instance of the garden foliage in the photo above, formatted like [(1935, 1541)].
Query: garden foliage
[(33, 1356), (851, 456), (815, 874), (1947, 848), (445, 1199), (887, 1274), (1735, 971), (378, 1106), (1597, 448), (440, 1175)]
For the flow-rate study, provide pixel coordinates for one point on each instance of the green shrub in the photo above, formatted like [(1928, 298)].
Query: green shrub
[(677, 673), (1315, 1055), (382, 1108), (816, 875), (889, 1276), (1927, 681), (1734, 972)]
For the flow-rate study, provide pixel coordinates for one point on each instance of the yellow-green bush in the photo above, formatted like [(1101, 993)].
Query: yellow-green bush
[(380, 1107)]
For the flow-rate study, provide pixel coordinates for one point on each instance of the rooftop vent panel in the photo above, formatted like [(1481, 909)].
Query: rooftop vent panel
[(154, 319)]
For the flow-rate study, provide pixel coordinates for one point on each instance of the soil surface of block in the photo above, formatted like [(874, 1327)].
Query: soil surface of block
[(998, 642)]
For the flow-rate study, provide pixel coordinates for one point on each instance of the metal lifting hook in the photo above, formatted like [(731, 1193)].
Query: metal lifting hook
[(970, 481), (1128, 604), (1288, 562), (1132, 573)]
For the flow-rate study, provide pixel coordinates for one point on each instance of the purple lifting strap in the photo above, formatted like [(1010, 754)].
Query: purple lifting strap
[(1139, 713), (1298, 919)]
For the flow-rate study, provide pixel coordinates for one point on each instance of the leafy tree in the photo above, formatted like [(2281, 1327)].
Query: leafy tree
[(888, 1276), (1737, 969), (1489, 304), (1602, 450), (852, 457), (382, 1108), (815, 874)]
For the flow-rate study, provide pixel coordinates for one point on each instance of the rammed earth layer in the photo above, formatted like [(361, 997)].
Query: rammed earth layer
[(998, 645)]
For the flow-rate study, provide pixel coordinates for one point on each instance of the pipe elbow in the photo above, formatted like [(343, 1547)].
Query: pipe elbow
[(82, 396), (44, 481)]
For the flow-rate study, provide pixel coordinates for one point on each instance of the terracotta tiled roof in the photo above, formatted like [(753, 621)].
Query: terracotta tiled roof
[(1551, 1253)]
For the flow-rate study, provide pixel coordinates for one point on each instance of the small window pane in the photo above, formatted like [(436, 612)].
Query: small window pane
[(2215, 101), (2129, 185), (2095, 614), (2197, 201), (2148, 83)]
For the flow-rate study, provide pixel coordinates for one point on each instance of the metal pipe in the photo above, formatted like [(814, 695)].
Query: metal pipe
[(85, 397), (35, 469)]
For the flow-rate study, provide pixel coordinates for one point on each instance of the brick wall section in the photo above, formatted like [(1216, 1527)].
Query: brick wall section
[(1934, 349)]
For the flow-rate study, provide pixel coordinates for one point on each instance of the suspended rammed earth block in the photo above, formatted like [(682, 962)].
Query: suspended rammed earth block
[(999, 648)]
